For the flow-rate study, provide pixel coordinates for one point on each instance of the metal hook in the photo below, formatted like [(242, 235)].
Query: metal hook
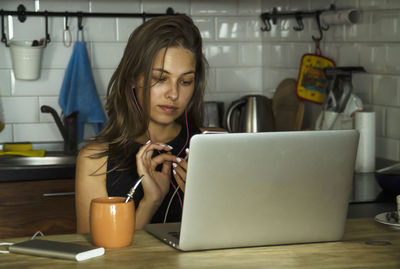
[(3, 33), (66, 27), (144, 17), (300, 25), (267, 25), (274, 15), (321, 35), (325, 27), (80, 17), (47, 28), (170, 11), (67, 36), (21, 13)]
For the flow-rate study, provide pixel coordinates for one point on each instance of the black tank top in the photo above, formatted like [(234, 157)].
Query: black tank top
[(119, 183)]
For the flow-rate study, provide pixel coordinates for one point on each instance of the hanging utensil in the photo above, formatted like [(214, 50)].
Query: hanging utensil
[(347, 89), (67, 37), (330, 103), (340, 86)]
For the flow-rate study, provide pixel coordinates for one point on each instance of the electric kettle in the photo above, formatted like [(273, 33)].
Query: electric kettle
[(250, 114)]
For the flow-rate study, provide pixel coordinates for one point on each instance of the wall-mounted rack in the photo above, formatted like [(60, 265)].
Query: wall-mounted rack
[(22, 14), (298, 15)]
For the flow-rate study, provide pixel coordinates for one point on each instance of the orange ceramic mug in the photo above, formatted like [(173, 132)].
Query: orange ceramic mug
[(112, 222)]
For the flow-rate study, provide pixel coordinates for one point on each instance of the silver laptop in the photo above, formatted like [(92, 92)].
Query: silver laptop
[(257, 189)]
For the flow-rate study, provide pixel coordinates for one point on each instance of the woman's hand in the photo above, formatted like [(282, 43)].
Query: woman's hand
[(179, 170), (155, 184)]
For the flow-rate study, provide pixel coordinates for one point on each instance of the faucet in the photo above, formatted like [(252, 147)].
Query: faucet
[(68, 130)]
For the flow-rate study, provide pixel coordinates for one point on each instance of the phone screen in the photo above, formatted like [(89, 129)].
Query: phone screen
[(215, 132)]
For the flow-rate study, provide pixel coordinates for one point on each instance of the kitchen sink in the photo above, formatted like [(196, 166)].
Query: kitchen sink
[(50, 159)]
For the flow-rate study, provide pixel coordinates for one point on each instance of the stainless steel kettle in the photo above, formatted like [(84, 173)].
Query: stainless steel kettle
[(250, 114)]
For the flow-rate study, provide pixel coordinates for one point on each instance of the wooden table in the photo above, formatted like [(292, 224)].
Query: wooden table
[(366, 244)]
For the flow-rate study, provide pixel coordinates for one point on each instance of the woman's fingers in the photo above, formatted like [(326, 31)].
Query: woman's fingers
[(150, 147), (148, 153), (147, 162), (144, 157), (179, 171), (163, 158), (181, 163), (147, 150), (179, 179), (187, 154)]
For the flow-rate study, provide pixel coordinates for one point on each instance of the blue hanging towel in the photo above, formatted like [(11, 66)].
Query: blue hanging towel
[(78, 91)]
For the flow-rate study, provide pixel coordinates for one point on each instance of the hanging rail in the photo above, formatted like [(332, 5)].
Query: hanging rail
[(298, 15), (22, 14)]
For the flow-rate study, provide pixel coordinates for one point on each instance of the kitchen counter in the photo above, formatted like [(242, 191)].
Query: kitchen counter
[(37, 194), (55, 165), (366, 244), (367, 197), (35, 173)]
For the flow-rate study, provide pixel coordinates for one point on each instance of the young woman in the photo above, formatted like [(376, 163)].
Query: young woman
[(154, 105)]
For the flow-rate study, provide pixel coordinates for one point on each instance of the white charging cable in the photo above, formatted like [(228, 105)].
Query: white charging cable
[(9, 244), (36, 234), (5, 244)]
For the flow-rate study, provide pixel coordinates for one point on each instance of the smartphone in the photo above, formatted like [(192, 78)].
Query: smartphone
[(215, 132)]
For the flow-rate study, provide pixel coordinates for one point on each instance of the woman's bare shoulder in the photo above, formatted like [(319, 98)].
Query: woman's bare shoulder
[(93, 151), (89, 157)]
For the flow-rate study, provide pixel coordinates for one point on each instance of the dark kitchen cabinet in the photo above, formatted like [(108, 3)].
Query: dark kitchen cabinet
[(37, 205)]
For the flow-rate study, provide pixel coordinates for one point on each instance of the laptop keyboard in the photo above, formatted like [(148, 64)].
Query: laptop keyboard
[(175, 234)]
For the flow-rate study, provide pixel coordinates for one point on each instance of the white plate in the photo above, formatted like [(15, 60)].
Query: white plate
[(381, 218)]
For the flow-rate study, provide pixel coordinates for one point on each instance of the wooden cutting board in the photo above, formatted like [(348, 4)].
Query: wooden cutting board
[(288, 109)]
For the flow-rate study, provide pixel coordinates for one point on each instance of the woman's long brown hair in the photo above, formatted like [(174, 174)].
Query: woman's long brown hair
[(125, 122)]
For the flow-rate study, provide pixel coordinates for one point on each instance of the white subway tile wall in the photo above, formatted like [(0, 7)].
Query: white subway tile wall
[(5, 85), (125, 26), (25, 109), (120, 6), (34, 132), (243, 59)]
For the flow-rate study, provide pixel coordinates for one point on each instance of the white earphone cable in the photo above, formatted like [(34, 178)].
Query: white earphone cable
[(9, 244), (169, 204), (5, 244)]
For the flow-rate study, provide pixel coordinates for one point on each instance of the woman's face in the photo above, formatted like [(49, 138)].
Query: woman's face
[(172, 80)]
